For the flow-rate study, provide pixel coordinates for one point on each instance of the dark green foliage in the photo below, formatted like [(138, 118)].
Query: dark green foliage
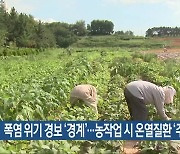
[(43, 37), (125, 35), (124, 41), (101, 27), (21, 30), (3, 29), (79, 28), (38, 88), (163, 31), (63, 36)]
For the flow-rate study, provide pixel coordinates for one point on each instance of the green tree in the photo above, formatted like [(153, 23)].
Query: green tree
[(119, 32), (129, 33), (12, 25), (3, 30), (101, 27), (63, 34), (79, 28), (22, 30), (64, 37), (163, 31), (31, 31), (43, 37), (126, 33)]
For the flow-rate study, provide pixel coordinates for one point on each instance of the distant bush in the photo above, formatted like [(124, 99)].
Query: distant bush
[(147, 57), (117, 41)]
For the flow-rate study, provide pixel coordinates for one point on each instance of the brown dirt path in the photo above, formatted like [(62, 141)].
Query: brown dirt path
[(172, 53), (172, 45)]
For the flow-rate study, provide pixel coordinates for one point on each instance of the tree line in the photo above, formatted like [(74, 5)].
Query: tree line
[(163, 31), (22, 30)]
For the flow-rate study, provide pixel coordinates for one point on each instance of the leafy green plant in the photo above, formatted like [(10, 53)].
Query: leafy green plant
[(38, 87)]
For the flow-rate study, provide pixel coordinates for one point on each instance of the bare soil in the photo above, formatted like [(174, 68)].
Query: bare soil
[(172, 53), (172, 50)]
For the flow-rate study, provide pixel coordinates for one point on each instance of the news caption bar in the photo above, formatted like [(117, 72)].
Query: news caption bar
[(89, 130)]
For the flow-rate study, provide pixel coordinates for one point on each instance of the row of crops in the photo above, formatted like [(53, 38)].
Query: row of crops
[(37, 88), (14, 51)]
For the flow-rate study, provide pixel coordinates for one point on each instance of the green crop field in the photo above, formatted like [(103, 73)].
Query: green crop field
[(42, 58), (37, 87), (119, 41)]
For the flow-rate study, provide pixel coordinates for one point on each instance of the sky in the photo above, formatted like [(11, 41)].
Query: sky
[(134, 15)]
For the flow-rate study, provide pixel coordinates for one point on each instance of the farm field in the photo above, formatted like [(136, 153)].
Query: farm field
[(37, 87), (46, 49)]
